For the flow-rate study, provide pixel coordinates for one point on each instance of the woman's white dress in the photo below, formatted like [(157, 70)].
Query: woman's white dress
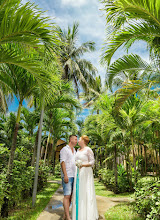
[(87, 208)]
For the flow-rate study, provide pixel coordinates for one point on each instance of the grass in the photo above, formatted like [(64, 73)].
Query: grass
[(123, 211), (25, 209), (102, 191)]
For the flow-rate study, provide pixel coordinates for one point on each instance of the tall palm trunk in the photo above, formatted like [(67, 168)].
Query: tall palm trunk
[(54, 159), (14, 140), (35, 148), (38, 156)]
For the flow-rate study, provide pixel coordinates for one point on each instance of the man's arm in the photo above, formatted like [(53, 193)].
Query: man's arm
[(63, 158), (63, 166)]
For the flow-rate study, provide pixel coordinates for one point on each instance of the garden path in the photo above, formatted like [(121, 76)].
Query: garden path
[(54, 209)]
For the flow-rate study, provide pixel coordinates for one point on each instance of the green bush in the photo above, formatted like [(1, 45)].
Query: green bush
[(58, 170), (108, 178), (147, 196), (21, 182), (42, 175), (21, 185), (4, 156), (123, 183), (3, 187)]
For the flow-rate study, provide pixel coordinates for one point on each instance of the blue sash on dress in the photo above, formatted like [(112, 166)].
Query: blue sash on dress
[(77, 193)]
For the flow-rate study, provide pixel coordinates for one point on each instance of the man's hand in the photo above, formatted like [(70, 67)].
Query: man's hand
[(66, 179)]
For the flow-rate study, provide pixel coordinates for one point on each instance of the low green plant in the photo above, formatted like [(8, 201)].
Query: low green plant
[(147, 196), (21, 182), (58, 170), (108, 178), (123, 183)]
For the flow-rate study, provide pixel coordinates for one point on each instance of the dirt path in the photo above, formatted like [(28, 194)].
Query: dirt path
[(54, 209)]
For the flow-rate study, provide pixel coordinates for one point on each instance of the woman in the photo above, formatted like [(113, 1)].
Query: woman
[(84, 206)]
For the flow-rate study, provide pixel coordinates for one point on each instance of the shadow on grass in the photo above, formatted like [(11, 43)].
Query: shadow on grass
[(101, 190)]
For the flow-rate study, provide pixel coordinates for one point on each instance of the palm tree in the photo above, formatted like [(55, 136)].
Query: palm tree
[(131, 117), (57, 121), (12, 77), (76, 69)]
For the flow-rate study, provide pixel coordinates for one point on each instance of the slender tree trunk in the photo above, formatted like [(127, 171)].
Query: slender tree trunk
[(145, 158), (142, 170), (54, 159), (47, 147), (105, 156), (134, 157), (42, 151), (115, 168), (138, 155), (35, 149), (52, 151), (14, 140), (100, 155), (38, 155), (159, 160), (127, 164)]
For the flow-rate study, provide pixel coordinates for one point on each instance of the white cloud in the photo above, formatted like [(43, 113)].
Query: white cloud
[(73, 3)]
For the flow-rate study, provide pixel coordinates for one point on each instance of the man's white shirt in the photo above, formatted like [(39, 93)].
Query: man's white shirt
[(68, 157)]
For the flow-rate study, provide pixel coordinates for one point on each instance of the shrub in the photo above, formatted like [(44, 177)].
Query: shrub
[(21, 182), (21, 185), (43, 175), (3, 187), (147, 195), (123, 182), (58, 170), (108, 178)]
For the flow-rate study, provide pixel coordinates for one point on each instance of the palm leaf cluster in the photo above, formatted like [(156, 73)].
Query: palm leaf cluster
[(131, 21), (76, 69)]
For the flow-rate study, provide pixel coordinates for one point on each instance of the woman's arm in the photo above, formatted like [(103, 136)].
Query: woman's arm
[(91, 159)]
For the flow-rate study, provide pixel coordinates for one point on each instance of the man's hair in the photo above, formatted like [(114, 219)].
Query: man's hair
[(72, 135)]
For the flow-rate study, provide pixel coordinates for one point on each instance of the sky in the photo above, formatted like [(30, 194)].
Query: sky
[(92, 27)]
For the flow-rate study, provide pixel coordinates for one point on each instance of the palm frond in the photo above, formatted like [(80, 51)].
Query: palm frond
[(126, 91), (128, 63)]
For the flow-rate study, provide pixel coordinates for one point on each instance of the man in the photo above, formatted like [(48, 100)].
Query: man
[(68, 167)]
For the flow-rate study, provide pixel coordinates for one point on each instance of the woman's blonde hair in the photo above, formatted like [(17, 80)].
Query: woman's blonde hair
[(85, 138)]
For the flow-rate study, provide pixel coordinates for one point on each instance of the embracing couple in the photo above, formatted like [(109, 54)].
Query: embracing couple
[(77, 180)]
